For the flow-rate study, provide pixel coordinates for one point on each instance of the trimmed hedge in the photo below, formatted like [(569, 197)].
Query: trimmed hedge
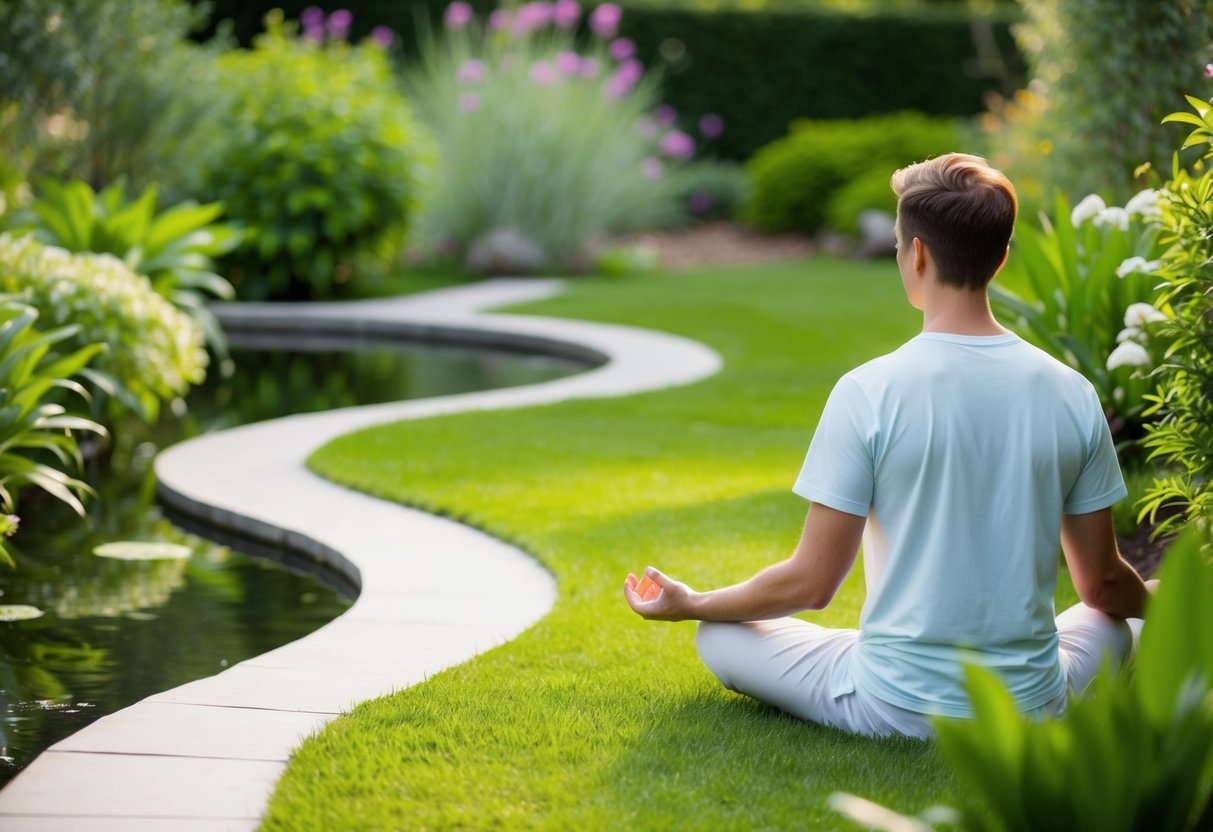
[(761, 70)]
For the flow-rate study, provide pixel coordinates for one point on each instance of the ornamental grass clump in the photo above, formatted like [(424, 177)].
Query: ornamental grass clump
[(155, 352), (546, 145)]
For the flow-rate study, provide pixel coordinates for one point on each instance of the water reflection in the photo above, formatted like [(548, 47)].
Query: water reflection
[(115, 631)]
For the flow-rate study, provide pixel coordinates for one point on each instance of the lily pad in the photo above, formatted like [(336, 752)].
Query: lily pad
[(143, 550), (19, 612)]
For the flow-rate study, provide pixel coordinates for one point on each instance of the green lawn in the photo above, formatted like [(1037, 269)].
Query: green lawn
[(595, 719)]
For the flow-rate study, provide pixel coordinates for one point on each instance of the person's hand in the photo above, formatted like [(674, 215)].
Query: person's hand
[(665, 600)]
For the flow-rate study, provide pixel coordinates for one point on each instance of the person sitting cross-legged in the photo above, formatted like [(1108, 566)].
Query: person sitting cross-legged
[(961, 460)]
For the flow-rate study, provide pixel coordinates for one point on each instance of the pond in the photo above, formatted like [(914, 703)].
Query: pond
[(116, 631)]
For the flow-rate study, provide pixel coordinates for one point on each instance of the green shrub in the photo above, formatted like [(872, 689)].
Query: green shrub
[(1182, 434), (1128, 756), (796, 177), (174, 249), (154, 351), (540, 141), (866, 192), (1108, 70), (102, 89), (1081, 288), (315, 153), (37, 442)]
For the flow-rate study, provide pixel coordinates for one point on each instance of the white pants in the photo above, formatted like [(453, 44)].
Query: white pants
[(788, 663)]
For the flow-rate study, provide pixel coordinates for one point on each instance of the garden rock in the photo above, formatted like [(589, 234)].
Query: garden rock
[(877, 236), (505, 252)]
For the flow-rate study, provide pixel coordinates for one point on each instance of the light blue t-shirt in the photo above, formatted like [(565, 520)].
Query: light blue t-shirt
[(963, 452)]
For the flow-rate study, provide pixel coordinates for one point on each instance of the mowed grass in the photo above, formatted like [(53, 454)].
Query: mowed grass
[(594, 718)]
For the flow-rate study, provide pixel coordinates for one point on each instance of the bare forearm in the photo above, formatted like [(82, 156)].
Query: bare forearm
[(1121, 594), (772, 593)]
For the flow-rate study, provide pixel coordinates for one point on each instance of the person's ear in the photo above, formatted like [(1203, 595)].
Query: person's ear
[(1003, 261), (920, 255)]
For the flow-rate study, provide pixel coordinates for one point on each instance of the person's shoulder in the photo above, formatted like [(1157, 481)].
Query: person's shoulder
[(1049, 366)]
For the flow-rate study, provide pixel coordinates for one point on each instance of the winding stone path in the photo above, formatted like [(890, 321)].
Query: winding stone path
[(205, 756)]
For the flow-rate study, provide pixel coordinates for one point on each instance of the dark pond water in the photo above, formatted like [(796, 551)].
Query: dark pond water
[(115, 631)]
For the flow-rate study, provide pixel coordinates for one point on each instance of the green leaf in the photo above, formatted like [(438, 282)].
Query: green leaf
[(1177, 640)]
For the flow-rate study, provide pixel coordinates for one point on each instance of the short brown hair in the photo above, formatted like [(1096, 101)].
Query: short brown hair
[(963, 209)]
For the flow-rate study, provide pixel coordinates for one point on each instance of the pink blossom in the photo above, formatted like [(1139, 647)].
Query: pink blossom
[(711, 125), (469, 102), (532, 16), (665, 115), (315, 33), (652, 167), (678, 145), (383, 36), (339, 22), (458, 15), (544, 72), (499, 19), (630, 71), (311, 17), (471, 71), (568, 62), (621, 49), (616, 87), (589, 67), (1209, 70), (604, 20), (565, 13)]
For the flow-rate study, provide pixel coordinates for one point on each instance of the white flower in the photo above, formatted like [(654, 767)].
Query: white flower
[(1090, 205), (1140, 314), (1137, 265), (1129, 333), (1112, 217), (1128, 354), (1144, 203)]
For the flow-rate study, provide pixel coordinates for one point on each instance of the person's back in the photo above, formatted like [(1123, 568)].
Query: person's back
[(988, 429)]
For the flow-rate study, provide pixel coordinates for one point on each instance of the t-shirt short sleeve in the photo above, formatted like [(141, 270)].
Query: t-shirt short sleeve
[(1099, 483), (838, 470)]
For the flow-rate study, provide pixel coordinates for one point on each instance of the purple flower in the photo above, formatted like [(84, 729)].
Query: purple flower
[(499, 19), (311, 17), (469, 102), (589, 67), (339, 22), (678, 145), (652, 167), (630, 71), (565, 13), (568, 62), (665, 115), (458, 15), (532, 16), (700, 202), (604, 20), (471, 71), (711, 125), (544, 72), (621, 49), (616, 87), (315, 33), (383, 36)]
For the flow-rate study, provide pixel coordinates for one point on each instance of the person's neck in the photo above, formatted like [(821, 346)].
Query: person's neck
[(959, 312)]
